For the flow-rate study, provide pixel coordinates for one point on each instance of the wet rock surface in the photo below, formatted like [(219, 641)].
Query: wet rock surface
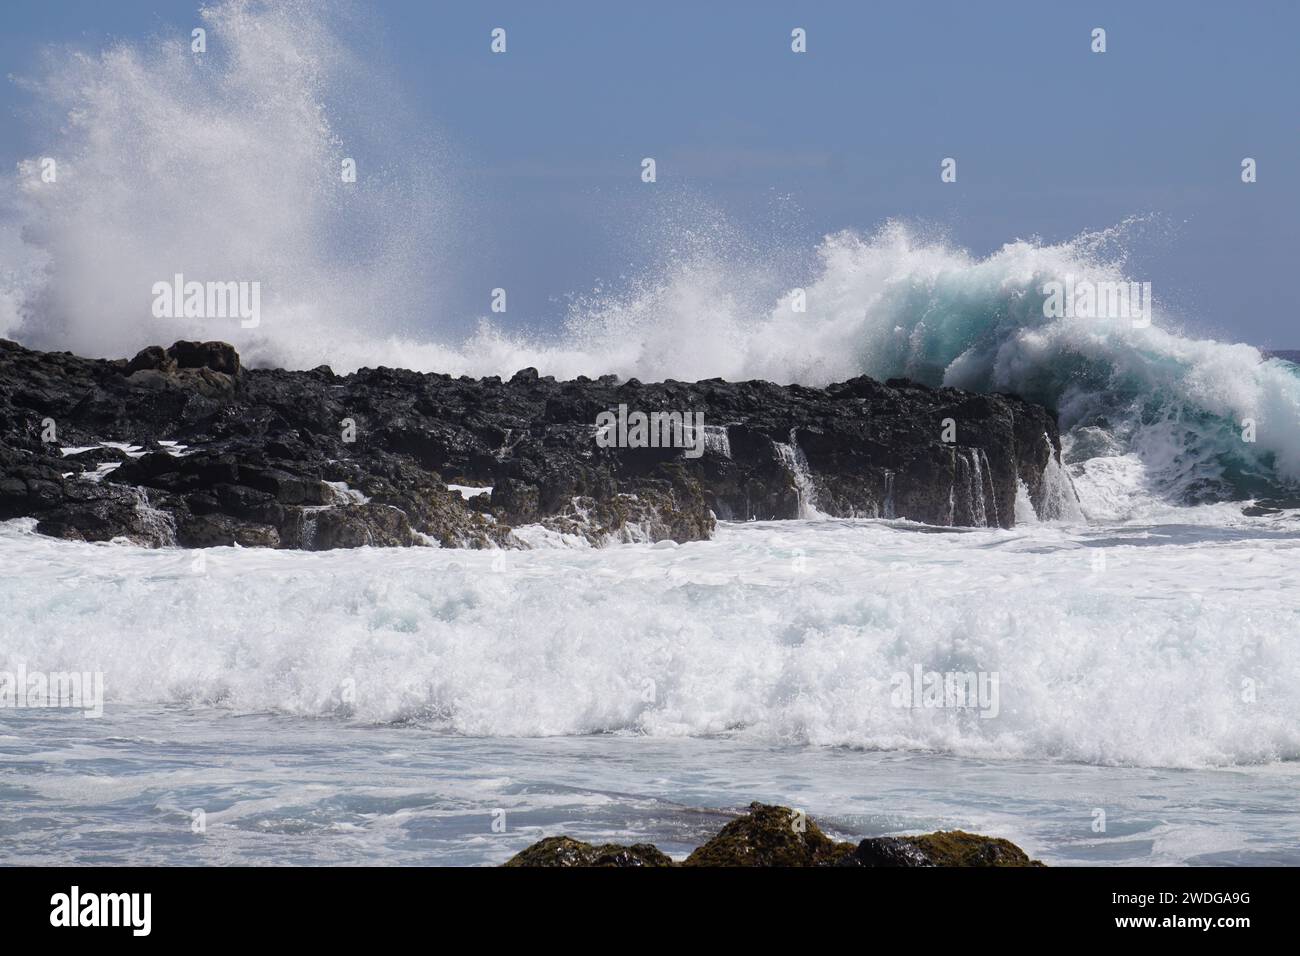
[(769, 836), (565, 851), (776, 836), (211, 453), (948, 848)]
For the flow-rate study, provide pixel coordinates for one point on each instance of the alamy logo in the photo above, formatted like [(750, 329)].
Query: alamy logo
[(68, 689), (179, 299), (103, 909), (1086, 299), (973, 690), (624, 429)]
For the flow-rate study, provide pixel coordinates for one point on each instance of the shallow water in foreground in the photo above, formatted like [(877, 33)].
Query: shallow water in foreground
[(289, 790)]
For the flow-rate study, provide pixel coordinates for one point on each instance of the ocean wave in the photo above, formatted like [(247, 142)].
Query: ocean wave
[(1175, 651)]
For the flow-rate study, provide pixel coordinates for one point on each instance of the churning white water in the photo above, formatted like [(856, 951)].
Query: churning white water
[(1128, 644)]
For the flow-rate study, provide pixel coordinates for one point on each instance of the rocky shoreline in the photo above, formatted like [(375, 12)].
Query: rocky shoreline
[(776, 836), (184, 446)]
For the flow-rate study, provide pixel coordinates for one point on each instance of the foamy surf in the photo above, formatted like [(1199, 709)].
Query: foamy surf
[(1173, 651)]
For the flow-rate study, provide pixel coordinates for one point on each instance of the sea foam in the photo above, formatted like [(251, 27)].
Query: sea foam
[(1176, 650)]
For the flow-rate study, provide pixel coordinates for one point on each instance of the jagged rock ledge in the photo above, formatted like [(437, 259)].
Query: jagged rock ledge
[(777, 836), (185, 446)]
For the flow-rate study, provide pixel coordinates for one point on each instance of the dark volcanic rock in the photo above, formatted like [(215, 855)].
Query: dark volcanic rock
[(769, 836), (565, 851), (947, 848), (221, 454), (217, 356), (777, 836)]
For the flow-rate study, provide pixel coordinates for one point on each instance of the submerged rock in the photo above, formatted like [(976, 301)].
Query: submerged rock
[(257, 456), (776, 836)]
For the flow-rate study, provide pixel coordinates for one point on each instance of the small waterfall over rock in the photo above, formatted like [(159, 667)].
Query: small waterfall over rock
[(973, 483), (307, 532), (717, 441), (1057, 499), (796, 463), (158, 526), (972, 486), (1025, 513), (987, 470)]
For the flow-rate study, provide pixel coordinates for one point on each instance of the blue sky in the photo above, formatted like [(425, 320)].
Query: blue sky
[(1051, 139)]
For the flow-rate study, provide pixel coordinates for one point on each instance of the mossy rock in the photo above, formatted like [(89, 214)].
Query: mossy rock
[(770, 836), (776, 836), (945, 848), (566, 851)]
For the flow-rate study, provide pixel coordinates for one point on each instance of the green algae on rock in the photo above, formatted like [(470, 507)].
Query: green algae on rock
[(776, 836), (566, 851), (769, 836)]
